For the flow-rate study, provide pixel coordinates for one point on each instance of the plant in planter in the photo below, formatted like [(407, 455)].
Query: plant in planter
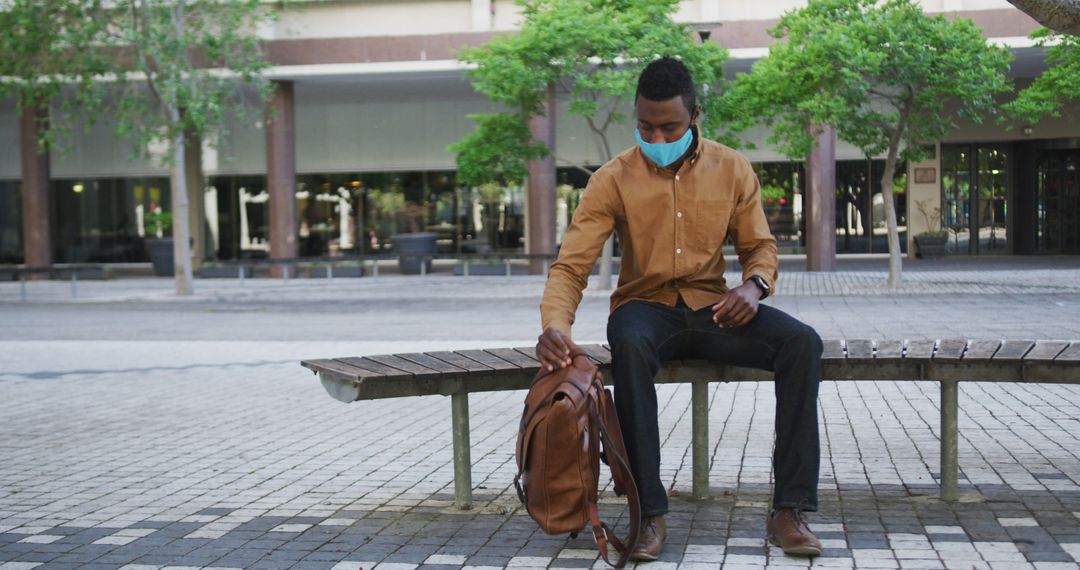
[(931, 243), (160, 247)]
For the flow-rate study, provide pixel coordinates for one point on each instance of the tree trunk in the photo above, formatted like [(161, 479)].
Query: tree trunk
[(1062, 16), (895, 264), (181, 224)]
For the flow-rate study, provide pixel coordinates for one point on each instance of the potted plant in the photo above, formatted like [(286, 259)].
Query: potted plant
[(159, 245), (930, 243)]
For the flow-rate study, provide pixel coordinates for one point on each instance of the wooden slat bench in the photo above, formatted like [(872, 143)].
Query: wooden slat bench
[(946, 361)]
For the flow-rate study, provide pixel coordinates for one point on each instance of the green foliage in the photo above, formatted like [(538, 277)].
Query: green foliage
[(50, 55), (496, 151), (1058, 84), (158, 222), (193, 62), (880, 72), (593, 52)]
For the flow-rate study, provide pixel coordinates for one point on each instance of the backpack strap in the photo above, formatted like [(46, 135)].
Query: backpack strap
[(623, 479)]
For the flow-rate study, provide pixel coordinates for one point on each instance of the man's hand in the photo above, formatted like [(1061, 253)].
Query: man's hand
[(738, 306), (553, 349)]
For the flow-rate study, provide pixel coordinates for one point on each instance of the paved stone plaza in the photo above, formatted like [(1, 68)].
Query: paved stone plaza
[(142, 431)]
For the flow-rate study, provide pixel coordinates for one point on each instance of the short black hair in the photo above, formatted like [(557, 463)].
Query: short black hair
[(665, 78)]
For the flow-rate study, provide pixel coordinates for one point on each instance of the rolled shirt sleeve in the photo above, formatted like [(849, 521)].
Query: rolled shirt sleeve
[(749, 230), (592, 224)]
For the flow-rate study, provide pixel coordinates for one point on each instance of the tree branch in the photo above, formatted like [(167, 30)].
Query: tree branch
[(1062, 16)]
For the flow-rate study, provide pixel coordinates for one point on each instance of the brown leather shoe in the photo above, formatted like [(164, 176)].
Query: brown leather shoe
[(653, 534), (788, 530)]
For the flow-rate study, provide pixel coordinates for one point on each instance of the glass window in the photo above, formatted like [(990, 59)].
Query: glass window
[(101, 220), (11, 248)]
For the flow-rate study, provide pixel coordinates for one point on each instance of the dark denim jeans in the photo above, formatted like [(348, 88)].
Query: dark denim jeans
[(642, 335)]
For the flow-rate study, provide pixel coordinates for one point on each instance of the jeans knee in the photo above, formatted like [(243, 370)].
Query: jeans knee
[(807, 342)]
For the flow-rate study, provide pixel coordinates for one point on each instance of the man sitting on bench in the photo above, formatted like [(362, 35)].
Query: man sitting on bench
[(673, 200)]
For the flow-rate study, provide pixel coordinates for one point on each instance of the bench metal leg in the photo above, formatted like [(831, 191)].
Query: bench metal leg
[(459, 404), (949, 429), (699, 409)]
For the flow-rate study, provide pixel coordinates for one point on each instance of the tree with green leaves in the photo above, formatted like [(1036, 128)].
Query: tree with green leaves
[(1059, 83), (888, 77), (590, 51), (192, 64), (48, 57), (49, 60)]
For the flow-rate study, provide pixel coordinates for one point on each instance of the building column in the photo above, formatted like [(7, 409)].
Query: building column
[(540, 190), (281, 174), (196, 192), (482, 15), (821, 202), (37, 245)]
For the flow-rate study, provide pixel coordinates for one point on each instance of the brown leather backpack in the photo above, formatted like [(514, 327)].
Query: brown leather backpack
[(568, 415)]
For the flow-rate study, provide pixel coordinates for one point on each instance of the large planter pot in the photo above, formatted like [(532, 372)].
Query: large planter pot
[(411, 249), (160, 251), (931, 246)]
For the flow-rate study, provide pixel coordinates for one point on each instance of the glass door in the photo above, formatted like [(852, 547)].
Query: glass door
[(1058, 207), (975, 191)]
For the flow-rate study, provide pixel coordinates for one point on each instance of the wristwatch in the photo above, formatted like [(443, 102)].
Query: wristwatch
[(765, 291)]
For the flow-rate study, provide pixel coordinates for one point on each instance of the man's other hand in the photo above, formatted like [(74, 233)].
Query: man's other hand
[(553, 349), (738, 306)]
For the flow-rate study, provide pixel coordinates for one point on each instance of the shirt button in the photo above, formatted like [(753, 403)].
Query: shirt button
[(678, 250), (679, 214)]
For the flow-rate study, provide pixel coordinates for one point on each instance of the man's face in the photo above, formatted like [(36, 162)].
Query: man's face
[(663, 121)]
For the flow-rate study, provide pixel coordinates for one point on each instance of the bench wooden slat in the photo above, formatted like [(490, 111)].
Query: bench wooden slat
[(1013, 350), (950, 349), (1071, 354), (486, 359), (833, 349), (860, 349), (889, 349), (374, 368), (598, 353), (395, 361), (1045, 350), (334, 367), (919, 350), (528, 352), (432, 363), (513, 357), (981, 349), (459, 361)]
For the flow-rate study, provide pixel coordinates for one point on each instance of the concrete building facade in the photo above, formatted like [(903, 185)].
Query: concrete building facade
[(369, 94)]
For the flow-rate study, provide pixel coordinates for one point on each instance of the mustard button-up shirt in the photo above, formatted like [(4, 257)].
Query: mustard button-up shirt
[(671, 225)]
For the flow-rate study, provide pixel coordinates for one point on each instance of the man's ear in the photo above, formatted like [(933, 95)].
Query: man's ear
[(695, 115)]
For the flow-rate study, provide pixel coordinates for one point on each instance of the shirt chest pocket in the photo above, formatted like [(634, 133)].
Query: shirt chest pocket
[(711, 222)]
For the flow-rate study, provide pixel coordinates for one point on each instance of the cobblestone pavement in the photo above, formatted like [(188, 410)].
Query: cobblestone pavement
[(141, 432)]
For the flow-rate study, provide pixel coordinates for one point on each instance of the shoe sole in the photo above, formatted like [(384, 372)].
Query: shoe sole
[(798, 550), (642, 556)]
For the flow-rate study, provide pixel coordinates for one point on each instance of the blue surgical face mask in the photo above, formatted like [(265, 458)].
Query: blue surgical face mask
[(665, 154)]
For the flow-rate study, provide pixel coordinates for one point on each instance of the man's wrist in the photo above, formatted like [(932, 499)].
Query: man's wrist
[(760, 285)]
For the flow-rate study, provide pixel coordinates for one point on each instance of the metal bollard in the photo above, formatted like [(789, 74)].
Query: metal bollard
[(465, 273), (285, 274), (375, 268), (329, 272), (74, 281), (423, 266), (507, 269), (22, 287), (240, 274)]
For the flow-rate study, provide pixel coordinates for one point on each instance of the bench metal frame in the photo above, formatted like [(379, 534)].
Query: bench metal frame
[(946, 361)]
